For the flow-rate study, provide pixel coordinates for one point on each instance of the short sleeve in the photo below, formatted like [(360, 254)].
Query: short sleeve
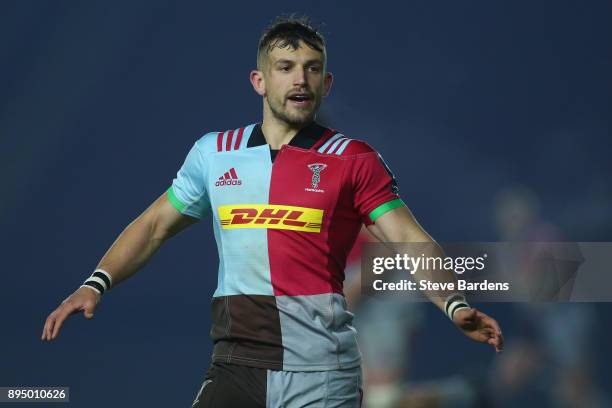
[(188, 191), (374, 187)]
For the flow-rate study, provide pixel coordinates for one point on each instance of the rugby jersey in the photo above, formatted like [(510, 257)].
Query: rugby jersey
[(284, 225)]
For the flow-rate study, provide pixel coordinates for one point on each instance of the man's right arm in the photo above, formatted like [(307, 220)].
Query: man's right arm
[(129, 253), (141, 239)]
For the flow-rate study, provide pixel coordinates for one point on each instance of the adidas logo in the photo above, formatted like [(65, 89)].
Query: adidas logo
[(230, 178)]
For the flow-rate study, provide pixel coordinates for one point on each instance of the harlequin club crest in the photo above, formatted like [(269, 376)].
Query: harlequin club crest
[(316, 169)]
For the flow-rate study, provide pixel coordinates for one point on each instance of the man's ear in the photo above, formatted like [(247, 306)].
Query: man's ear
[(257, 80), (327, 83)]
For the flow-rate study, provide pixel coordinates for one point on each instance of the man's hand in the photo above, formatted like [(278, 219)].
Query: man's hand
[(84, 299), (479, 327), (130, 251)]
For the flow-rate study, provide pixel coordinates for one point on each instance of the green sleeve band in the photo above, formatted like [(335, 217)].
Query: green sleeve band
[(383, 208), (176, 203)]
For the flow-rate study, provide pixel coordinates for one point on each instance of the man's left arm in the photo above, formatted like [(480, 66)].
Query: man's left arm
[(399, 226)]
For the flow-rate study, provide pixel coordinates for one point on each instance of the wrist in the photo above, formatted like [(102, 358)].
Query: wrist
[(99, 281), (455, 302)]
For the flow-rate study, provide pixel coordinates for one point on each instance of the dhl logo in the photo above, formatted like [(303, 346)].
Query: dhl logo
[(270, 216)]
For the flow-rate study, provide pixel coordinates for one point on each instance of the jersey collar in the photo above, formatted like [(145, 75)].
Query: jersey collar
[(305, 138)]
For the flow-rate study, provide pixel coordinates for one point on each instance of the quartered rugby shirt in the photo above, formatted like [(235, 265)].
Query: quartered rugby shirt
[(284, 226)]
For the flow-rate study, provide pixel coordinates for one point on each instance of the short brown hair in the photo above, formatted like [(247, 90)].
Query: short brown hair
[(288, 31)]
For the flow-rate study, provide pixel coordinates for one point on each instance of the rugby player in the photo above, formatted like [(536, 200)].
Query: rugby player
[(287, 198)]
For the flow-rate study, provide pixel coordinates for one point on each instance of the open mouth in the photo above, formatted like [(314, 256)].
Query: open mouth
[(300, 99)]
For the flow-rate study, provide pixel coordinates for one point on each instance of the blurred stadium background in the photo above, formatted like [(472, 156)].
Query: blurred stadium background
[(495, 116)]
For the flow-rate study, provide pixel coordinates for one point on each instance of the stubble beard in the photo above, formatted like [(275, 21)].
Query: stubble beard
[(281, 112)]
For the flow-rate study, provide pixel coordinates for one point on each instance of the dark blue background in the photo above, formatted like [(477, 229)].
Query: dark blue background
[(100, 102)]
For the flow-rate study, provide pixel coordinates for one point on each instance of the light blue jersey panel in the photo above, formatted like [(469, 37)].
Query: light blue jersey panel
[(188, 193), (244, 267)]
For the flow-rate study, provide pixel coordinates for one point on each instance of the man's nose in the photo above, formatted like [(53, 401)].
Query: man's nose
[(300, 77)]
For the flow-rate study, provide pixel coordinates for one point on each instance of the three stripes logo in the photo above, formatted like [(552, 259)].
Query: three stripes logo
[(335, 145), (230, 178)]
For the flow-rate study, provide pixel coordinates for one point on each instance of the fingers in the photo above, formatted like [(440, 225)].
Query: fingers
[(83, 299), (56, 320), (500, 343), (496, 340), (48, 324), (48, 328), (482, 328), (497, 343), (491, 327), (60, 320), (489, 322)]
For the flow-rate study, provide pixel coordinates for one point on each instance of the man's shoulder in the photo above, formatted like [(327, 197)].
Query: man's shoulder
[(224, 140), (357, 147), (340, 144)]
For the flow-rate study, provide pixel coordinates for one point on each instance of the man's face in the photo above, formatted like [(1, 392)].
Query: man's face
[(294, 83)]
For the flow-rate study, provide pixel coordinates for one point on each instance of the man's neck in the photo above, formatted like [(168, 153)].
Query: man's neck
[(278, 133)]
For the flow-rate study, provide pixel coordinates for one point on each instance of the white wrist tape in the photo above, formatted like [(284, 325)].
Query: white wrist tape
[(453, 303), (100, 281), (92, 288)]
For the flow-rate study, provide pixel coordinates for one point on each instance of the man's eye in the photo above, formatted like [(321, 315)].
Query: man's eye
[(285, 68), (315, 69)]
